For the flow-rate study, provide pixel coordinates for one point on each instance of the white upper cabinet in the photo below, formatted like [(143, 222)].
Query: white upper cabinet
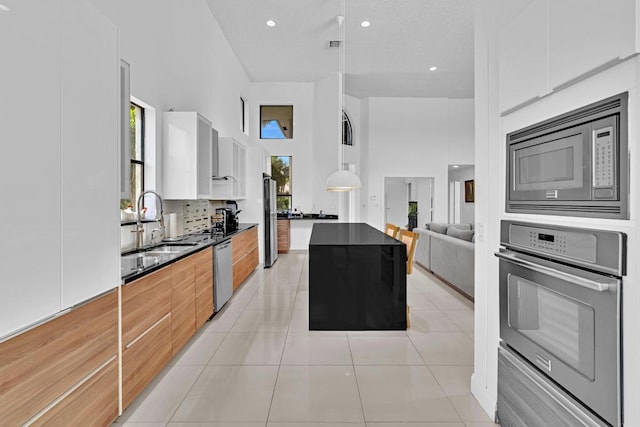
[(59, 166), (189, 156), (587, 34), (90, 141), (231, 180), (524, 56), (553, 43), (30, 163)]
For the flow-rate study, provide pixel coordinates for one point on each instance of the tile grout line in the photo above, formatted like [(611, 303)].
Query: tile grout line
[(273, 393), (207, 364), (355, 374)]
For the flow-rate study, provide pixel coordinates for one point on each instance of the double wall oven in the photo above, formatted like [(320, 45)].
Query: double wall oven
[(560, 325)]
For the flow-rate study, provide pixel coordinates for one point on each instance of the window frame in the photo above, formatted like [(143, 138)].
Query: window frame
[(260, 123), (290, 194), (243, 124), (133, 162), (347, 138)]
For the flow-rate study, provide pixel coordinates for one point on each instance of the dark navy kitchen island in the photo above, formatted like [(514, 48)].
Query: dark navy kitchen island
[(357, 279)]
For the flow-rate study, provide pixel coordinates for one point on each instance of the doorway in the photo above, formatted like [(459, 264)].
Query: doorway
[(399, 191)]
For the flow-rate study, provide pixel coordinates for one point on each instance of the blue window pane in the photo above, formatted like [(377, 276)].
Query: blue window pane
[(271, 130)]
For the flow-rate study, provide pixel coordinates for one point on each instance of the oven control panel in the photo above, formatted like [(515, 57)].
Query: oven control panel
[(562, 243)]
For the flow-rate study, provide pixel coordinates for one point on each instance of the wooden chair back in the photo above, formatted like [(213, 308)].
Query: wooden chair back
[(410, 239), (391, 230)]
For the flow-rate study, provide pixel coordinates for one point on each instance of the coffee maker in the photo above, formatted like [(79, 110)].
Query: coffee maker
[(232, 208), (226, 219)]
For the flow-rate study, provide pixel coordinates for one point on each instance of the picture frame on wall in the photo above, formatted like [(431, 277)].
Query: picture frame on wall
[(469, 191)]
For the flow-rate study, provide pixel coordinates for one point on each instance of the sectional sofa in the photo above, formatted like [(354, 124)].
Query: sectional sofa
[(447, 250)]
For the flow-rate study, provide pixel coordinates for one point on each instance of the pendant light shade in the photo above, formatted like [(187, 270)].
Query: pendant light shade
[(342, 180)]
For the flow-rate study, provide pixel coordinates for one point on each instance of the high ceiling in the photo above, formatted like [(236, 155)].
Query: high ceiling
[(392, 57)]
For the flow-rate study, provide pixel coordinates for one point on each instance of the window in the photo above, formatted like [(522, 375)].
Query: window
[(276, 121), (281, 173), (243, 125), (347, 130), (136, 122)]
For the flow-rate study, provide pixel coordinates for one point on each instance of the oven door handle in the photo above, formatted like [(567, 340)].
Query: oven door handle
[(587, 283)]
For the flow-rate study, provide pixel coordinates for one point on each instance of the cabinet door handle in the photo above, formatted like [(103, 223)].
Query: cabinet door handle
[(139, 337)]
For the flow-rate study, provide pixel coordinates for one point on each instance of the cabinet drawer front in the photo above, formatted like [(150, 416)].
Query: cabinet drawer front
[(243, 268), (183, 305), (145, 359), (42, 364), (144, 302), (244, 242), (204, 286), (93, 404)]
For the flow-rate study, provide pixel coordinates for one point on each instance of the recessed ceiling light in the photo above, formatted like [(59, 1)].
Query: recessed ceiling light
[(456, 166), (433, 68), (4, 8), (365, 24), (271, 23)]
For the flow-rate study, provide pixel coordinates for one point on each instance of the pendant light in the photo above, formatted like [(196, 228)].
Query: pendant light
[(342, 180)]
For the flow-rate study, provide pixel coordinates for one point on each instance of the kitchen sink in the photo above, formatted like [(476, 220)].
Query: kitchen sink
[(168, 249)]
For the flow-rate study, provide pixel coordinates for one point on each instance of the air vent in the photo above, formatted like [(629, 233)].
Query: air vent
[(334, 43), (593, 211)]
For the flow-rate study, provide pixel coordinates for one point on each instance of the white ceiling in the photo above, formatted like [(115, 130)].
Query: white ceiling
[(390, 58)]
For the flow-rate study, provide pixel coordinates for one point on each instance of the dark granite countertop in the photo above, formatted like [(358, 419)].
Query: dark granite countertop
[(136, 264), (349, 233), (308, 217)]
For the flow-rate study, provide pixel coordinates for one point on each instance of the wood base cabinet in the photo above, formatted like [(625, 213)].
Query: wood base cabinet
[(204, 286), (245, 255), (93, 404), (146, 331), (144, 358), (63, 372), (284, 235), (183, 302)]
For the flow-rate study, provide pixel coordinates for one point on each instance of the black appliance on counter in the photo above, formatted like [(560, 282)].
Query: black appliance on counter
[(225, 221)]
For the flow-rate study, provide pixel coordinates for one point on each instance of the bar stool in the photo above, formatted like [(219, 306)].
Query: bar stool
[(410, 239), (391, 230)]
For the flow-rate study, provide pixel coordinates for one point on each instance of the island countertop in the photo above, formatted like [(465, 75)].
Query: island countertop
[(348, 233)]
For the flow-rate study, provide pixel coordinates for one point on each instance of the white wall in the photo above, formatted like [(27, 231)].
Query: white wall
[(490, 169), (462, 174), (180, 59), (327, 132), (300, 147), (414, 137)]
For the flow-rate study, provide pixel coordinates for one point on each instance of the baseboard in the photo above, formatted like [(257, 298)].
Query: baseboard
[(487, 401), (453, 286)]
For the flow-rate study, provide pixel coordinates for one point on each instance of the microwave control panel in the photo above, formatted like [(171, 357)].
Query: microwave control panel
[(604, 160)]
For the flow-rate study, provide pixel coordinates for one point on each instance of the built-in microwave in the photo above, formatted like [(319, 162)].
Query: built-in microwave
[(575, 164)]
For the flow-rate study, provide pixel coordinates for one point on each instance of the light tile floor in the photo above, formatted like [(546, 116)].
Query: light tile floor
[(256, 364)]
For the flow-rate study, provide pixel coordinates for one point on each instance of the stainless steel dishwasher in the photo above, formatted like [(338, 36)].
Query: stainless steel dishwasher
[(222, 274)]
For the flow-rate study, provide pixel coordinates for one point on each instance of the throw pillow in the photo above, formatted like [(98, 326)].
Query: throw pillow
[(438, 228), (460, 234)]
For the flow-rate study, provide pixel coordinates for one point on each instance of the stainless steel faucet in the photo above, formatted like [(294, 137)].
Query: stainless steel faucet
[(139, 228)]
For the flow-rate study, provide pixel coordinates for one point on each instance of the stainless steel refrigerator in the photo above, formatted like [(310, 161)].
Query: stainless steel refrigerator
[(270, 221)]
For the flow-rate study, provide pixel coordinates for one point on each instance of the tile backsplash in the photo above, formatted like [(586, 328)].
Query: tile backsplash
[(191, 216)]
